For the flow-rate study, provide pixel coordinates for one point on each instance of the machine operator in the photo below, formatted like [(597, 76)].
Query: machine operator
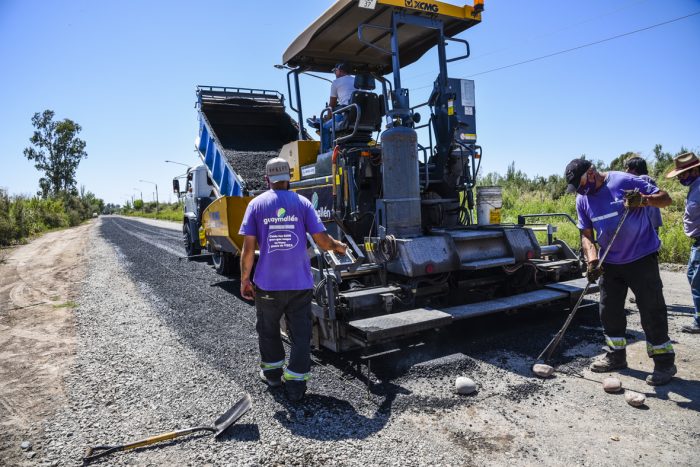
[(342, 88)]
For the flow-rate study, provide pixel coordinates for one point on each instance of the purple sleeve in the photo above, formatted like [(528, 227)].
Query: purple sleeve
[(248, 226), (646, 187), (312, 222), (584, 222)]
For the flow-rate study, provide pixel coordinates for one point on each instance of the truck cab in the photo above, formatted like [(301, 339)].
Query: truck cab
[(199, 193)]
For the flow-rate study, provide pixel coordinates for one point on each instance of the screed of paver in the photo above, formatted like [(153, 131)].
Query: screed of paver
[(38, 286)]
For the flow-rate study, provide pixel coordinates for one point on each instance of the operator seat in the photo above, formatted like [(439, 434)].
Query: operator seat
[(372, 109)]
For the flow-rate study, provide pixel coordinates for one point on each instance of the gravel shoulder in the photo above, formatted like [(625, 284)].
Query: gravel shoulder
[(144, 364)]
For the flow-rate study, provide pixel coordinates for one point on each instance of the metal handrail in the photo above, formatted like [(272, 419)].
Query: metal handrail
[(337, 111), (461, 57), (369, 44)]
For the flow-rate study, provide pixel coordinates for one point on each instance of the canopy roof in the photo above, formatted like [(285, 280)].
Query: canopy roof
[(333, 37)]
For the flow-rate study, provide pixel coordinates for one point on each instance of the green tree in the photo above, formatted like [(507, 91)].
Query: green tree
[(56, 151), (619, 162)]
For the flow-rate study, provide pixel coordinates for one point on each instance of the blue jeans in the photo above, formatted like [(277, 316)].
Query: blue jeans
[(326, 135), (694, 279)]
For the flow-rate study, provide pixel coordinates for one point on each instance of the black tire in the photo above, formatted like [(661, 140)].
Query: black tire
[(225, 263), (191, 248)]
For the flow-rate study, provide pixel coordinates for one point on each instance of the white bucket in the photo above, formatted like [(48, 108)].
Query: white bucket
[(489, 200)]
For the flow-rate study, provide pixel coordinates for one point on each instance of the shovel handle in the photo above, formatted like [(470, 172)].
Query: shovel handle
[(100, 451)]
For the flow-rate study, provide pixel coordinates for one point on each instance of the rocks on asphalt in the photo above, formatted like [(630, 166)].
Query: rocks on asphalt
[(635, 399), (612, 384), (465, 385), (26, 445), (542, 370)]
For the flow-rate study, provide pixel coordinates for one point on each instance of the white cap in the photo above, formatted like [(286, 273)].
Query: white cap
[(277, 170)]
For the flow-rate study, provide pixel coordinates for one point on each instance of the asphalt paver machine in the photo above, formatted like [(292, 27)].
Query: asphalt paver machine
[(419, 258)]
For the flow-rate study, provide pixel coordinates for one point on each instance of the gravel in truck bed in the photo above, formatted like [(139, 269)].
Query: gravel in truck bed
[(250, 166)]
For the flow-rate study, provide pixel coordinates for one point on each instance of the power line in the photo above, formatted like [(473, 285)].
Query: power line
[(543, 34), (577, 47), (588, 45)]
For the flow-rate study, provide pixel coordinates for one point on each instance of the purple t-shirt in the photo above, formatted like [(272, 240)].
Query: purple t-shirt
[(279, 220), (601, 212)]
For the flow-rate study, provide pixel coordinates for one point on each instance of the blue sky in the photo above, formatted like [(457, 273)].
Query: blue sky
[(127, 71)]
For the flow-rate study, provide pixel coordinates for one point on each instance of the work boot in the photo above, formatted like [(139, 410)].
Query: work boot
[(295, 390), (691, 328), (661, 375), (611, 361), (272, 378)]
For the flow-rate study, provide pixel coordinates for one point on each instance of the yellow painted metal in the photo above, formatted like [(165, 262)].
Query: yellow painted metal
[(299, 154), (222, 219), (202, 237), (440, 8)]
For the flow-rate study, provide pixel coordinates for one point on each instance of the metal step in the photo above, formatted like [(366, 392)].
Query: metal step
[(557, 264), (407, 322), (400, 324), (364, 292), (535, 297), (487, 263), (574, 287)]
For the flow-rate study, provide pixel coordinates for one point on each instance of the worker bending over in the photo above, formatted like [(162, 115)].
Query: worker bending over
[(632, 261), (278, 220)]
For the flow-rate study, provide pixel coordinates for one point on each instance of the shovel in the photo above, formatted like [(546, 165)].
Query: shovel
[(220, 425), (540, 366)]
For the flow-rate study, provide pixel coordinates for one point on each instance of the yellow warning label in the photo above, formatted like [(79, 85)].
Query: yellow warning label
[(495, 216)]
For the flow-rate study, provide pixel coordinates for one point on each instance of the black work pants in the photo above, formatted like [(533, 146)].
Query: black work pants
[(643, 278), (295, 306)]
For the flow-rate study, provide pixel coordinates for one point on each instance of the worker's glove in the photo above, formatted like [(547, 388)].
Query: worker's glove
[(594, 271), (633, 199)]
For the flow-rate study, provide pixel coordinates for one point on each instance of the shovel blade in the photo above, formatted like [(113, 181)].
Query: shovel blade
[(232, 415)]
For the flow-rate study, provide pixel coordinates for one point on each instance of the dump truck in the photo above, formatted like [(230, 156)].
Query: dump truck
[(425, 251), (239, 130)]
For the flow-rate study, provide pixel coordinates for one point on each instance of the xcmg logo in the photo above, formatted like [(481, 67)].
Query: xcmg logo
[(425, 6)]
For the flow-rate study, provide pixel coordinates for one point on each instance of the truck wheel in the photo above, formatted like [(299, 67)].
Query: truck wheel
[(191, 248), (225, 263)]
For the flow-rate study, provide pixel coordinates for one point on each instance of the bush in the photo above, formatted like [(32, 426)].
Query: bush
[(22, 217)]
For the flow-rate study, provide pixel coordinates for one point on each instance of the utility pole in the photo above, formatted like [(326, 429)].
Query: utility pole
[(156, 185)]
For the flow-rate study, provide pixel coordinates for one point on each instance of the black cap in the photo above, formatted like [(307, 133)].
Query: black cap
[(573, 173), (342, 66)]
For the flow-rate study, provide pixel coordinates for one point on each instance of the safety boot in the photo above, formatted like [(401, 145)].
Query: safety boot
[(295, 390), (661, 375), (611, 361), (272, 378), (693, 328)]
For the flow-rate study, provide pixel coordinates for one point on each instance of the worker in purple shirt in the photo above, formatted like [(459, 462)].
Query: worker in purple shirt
[(638, 167), (278, 221), (632, 262), (687, 171)]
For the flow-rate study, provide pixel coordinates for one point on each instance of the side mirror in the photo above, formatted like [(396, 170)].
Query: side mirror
[(176, 186), (416, 117)]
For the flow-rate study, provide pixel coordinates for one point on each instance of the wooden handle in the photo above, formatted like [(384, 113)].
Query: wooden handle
[(164, 437)]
